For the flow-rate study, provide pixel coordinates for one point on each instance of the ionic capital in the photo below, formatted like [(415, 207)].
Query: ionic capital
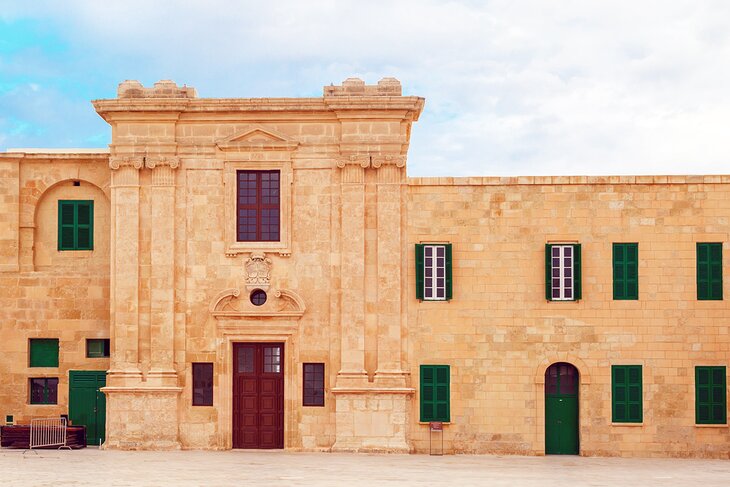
[(115, 162), (396, 160), (152, 162), (354, 159)]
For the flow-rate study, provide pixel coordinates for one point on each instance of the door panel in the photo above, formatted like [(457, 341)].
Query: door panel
[(258, 395), (87, 404), (561, 409)]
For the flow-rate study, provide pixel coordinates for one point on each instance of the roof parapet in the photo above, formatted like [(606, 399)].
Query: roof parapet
[(357, 87), (162, 89)]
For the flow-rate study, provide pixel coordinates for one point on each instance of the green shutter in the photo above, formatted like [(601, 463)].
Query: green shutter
[(449, 280), (548, 272), (43, 352), (419, 271), (577, 267), (710, 395), (709, 271), (625, 271), (435, 393), (626, 394), (75, 225)]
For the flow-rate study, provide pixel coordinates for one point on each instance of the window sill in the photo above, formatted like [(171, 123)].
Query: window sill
[(628, 424), (426, 423), (245, 247), (711, 425)]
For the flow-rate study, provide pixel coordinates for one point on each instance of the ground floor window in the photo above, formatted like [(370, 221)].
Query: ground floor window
[(435, 393), (626, 394), (202, 384), (710, 395), (313, 385), (44, 390)]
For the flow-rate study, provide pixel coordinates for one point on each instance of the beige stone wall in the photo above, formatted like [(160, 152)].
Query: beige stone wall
[(45, 293), (499, 334)]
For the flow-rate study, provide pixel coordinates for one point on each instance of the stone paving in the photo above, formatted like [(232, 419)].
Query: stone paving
[(199, 468)]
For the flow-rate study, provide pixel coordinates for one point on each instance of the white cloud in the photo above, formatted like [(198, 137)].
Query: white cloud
[(511, 87)]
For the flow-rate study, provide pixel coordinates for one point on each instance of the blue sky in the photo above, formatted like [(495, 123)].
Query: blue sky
[(512, 87)]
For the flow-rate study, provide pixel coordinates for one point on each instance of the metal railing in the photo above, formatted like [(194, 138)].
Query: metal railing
[(46, 432)]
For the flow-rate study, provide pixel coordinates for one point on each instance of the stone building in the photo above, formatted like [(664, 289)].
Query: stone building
[(261, 273)]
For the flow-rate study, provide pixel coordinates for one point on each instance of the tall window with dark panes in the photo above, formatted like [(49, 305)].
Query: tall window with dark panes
[(313, 394), (625, 271), (258, 202), (202, 384), (433, 272), (709, 271), (563, 272), (710, 395)]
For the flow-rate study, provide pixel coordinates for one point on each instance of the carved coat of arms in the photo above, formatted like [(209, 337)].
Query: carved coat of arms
[(258, 271)]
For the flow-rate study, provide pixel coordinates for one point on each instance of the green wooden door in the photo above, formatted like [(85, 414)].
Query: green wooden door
[(561, 410), (87, 404)]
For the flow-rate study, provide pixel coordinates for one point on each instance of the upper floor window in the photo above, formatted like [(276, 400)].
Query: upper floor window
[(433, 272), (258, 201), (625, 271), (75, 225), (709, 271), (562, 272), (43, 352)]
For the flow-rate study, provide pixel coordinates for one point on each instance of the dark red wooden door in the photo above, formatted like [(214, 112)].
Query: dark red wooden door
[(258, 395)]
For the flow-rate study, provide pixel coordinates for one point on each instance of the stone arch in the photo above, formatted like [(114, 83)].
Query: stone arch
[(36, 194), (583, 372)]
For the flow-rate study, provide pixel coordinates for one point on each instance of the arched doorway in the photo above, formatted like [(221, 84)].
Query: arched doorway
[(561, 409)]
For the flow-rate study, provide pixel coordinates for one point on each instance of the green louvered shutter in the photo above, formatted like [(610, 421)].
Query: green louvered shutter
[(625, 271), (84, 225), (419, 271), (449, 280), (548, 272), (577, 269), (435, 393), (709, 271), (66, 225), (627, 395), (710, 395)]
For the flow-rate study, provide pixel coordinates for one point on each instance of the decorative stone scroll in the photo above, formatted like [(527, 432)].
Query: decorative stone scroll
[(151, 162), (115, 162), (388, 159), (282, 303), (258, 271), (362, 160)]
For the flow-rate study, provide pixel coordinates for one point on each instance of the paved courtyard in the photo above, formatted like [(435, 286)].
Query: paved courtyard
[(197, 468)]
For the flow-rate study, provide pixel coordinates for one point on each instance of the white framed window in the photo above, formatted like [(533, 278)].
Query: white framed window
[(434, 272), (562, 260)]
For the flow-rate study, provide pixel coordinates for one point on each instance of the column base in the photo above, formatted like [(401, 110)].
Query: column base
[(142, 418), (372, 420)]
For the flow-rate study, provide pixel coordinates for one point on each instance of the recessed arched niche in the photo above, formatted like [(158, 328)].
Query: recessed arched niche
[(46, 253)]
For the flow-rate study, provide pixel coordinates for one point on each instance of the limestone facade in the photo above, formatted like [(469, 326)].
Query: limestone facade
[(169, 282)]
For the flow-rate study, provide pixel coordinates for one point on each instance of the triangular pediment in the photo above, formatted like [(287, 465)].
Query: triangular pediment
[(257, 137)]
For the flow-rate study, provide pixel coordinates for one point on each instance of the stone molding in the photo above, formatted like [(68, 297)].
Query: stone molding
[(286, 304), (257, 138), (388, 159)]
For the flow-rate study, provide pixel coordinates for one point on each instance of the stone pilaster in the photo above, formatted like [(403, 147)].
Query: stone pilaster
[(352, 318), (390, 241), (124, 276), (162, 272)]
